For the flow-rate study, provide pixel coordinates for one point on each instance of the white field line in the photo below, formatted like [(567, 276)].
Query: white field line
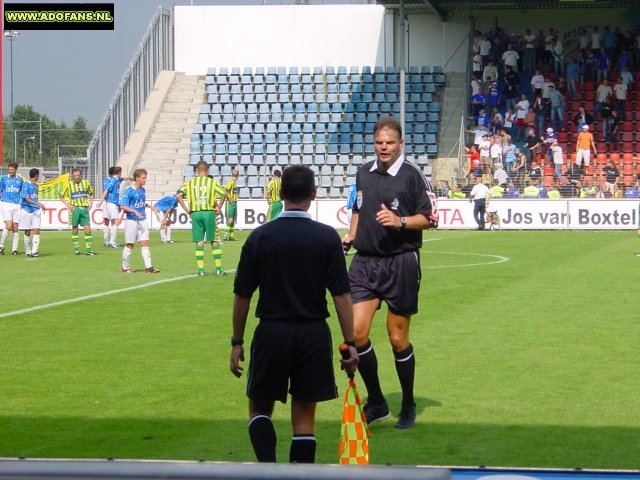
[(499, 259), (92, 296)]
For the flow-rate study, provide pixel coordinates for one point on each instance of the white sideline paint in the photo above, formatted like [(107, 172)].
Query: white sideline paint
[(94, 295), (500, 259)]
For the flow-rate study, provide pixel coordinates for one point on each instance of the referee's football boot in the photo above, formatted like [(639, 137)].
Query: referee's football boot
[(407, 417), (15, 252), (376, 413), (151, 270), (2, 250)]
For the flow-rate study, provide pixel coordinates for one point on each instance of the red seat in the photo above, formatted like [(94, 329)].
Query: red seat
[(628, 179), (636, 76), (563, 137), (613, 76), (615, 157), (589, 106), (589, 96), (601, 159), (627, 126), (636, 115), (627, 148), (628, 136), (589, 86), (636, 95), (627, 158), (602, 147), (627, 169)]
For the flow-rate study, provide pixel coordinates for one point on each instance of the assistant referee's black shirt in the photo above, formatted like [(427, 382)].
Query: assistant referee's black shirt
[(293, 260), (403, 190)]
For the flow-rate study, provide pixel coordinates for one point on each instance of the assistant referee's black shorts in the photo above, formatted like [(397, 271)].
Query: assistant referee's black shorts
[(293, 357), (394, 279)]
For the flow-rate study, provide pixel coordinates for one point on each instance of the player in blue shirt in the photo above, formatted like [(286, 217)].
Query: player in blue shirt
[(166, 206), (110, 211), (10, 188), (31, 215), (136, 229)]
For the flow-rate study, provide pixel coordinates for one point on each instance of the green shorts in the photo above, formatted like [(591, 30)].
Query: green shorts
[(80, 216), (203, 223), (231, 211), (274, 210)]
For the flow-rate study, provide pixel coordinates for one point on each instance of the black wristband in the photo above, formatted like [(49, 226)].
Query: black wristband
[(351, 343), (236, 343)]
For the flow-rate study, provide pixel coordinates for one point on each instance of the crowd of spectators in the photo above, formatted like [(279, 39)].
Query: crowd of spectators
[(555, 100)]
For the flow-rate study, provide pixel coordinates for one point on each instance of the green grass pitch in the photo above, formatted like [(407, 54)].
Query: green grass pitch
[(526, 347)]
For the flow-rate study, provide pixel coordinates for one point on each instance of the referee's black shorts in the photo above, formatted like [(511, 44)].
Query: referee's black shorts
[(394, 279), (293, 357)]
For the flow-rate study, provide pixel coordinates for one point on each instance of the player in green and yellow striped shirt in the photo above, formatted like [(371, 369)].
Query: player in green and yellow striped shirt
[(273, 196), (77, 195), (231, 212), (202, 193)]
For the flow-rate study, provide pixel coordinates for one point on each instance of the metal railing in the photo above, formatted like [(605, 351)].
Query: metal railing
[(155, 53)]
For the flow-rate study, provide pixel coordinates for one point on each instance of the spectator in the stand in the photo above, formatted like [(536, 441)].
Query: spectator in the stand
[(624, 60), (475, 165), (584, 146), (568, 190), (604, 64), (476, 65), (618, 192), (550, 137), (583, 38), (518, 168), (509, 121), (496, 191), (534, 145), (490, 73), (631, 191), (512, 190), (620, 89), (510, 59), (485, 50), (574, 173), (511, 88), (530, 119), (531, 190), (478, 133), (542, 189), (475, 86), (627, 77), (611, 176), (549, 39), (496, 151), (561, 86), (522, 108), (485, 158), (541, 113), (590, 66), (546, 88), (471, 181), (497, 122), (540, 52), (582, 118), (557, 50), (605, 115), (529, 57), (608, 41), (554, 193), (536, 171), (493, 95), (500, 174), (478, 102), (556, 100), (581, 63), (558, 161), (482, 119), (588, 190), (595, 39), (457, 192), (508, 154), (572, 78), (602, 93), (536, 83), (614, 129)]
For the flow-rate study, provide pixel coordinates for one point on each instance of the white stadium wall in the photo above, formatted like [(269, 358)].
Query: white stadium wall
[(281, 35)]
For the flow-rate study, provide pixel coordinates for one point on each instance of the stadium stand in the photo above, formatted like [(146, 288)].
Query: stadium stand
[(321, 117)]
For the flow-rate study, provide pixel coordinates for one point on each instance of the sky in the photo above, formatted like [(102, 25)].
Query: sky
[(66, 74)]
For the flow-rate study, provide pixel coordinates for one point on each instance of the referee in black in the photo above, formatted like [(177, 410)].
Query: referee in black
[(394, 204), (292, 260)]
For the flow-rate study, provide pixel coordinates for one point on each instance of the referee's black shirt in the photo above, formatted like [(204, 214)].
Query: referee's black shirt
[(293, 260), (403, 190)]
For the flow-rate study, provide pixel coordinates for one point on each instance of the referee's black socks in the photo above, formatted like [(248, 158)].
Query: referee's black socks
[(368, 369), (263, 438), (406, 369), (303, 449)]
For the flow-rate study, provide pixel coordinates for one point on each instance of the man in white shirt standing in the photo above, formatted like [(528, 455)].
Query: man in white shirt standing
[(478, 196), (522, 108), (529, 60), (536, 83), (484, 147), (510, 59), (485, 50), (620, 89)]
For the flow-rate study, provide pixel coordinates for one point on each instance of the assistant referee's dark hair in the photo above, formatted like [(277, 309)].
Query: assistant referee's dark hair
[(388, 122), (298, 184)]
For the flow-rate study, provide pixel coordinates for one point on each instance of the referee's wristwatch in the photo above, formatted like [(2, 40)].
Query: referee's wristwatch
[(403, 222), (236, 342)]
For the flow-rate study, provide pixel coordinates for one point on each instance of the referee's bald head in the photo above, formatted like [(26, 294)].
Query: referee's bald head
[(298, 184)]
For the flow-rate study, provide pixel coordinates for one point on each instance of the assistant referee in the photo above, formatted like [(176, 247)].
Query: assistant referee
[(291, 349), (394, 204)]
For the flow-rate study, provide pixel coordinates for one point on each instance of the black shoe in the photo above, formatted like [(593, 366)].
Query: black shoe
[(407, 417), (376, 413), (77, 253), (1, 250), (89, 253), (15, 252)]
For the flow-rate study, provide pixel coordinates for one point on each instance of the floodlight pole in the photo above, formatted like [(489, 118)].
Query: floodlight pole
[(11, 36), (401, 64)]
